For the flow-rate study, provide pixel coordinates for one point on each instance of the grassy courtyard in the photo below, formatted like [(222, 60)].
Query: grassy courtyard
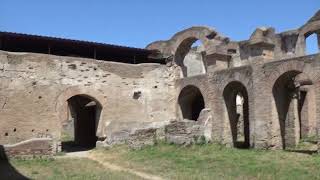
[(58, 169), (215, 162), (175, 162)]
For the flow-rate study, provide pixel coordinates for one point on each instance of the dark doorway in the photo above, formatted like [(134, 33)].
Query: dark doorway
[(290, 101), (237, 104), (191, 102), (84, 113)]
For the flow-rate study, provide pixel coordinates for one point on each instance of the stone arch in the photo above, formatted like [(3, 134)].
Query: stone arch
[(293, 93), (62, 104), (191, 102), (176, 48), (237, 117), (279, 69), (271, 76), (182, 46), (202, 33)]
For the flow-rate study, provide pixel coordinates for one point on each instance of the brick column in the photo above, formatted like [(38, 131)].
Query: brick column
[(260, 109), (317, 89), (292, 124)]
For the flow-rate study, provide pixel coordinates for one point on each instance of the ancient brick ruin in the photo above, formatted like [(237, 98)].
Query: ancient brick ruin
[(261, 93)]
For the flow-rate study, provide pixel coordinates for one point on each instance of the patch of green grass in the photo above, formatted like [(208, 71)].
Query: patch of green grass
[(66, 137), (211, 161), (311, 139), (205, 161), (58, 169)]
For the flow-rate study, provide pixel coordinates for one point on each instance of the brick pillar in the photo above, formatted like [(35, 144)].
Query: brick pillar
[(317, 101), (304, 113), (261, 114), (292, 124)]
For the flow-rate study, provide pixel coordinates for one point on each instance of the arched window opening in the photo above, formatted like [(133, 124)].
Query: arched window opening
[(191, 102), (190, 57), (237, 106), (312, 44), (80, 130), (292, 97)]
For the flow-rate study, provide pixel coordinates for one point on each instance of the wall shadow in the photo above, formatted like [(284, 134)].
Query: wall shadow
[(191, 102), (310, 152), (282, 93), (7, 171), (71, 146)]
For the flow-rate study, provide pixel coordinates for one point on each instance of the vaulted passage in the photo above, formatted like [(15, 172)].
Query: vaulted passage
[(84, 113), (191, 102), (293, 93), (237, 106)]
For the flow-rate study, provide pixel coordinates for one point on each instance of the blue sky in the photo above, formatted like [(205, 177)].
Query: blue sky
[(138, 22)]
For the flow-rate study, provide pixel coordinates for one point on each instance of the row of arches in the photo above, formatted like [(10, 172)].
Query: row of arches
[(190, 54), (293, 102), (190, 50), (191, 103)]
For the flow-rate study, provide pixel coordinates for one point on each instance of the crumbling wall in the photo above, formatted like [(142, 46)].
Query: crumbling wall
[(139, 100), (186, 131), (256, 63), (34, 89)]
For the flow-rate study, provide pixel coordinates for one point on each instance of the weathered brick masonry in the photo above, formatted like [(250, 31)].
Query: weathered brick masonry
[(57, 93)]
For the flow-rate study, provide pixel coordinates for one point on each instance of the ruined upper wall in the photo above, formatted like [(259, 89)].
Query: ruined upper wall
[(219, 52)]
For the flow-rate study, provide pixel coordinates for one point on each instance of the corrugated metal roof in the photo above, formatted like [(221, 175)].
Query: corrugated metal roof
[(48, 38)]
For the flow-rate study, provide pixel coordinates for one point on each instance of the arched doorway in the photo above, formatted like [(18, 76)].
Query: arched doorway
[(237, 105), (292, 93), (83, 118), (191, 102)]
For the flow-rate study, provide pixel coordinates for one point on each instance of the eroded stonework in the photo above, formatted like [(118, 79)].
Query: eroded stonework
[(45, 97)]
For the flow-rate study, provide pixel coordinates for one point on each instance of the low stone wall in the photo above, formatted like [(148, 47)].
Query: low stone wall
[(28, 148), (142, 137), (185, 132)]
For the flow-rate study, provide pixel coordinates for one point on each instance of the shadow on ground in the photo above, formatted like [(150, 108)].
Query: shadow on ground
[(7, 171), (70, 146), (303, 151)]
